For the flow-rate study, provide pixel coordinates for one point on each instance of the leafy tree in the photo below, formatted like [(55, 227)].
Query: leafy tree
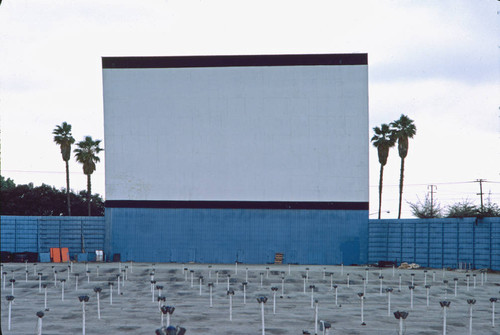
[(403, 129), (44, 200), (467, 208), (383, 140), (86, 153), (6, 184), (426, 210), (64, 139), (463, 209), (96, 204), (490, 209)]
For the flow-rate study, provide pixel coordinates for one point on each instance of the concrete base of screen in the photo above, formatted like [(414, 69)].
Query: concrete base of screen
[(237, 235)]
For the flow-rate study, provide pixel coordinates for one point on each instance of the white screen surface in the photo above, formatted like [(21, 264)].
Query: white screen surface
[(261, 133)]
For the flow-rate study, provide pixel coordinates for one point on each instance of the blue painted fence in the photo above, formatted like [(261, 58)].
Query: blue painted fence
[(173, 236), (436, 242), (40, 233)]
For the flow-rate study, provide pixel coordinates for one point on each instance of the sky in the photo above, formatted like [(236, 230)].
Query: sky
[(435, 61)]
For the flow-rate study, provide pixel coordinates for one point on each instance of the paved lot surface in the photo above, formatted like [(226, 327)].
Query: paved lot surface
[(134, 312)]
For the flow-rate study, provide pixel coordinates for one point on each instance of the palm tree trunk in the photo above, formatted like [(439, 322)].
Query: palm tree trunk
[(401, 177), (380, 190), (67, 188), (88, 193)]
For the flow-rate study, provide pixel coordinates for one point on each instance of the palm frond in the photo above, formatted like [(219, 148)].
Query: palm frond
[(86, 154), (64, 139), (404, 127)]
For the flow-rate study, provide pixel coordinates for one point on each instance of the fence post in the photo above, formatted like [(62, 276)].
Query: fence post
[(15, 235), (491, 243), (442, 244), (38, 236), (458, 243), (415, 241), (386, 238), (401, 241), (429, 243), (474, 243), (82, 238), (59, 233)]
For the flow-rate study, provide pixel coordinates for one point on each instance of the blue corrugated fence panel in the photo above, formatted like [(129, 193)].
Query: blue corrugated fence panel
[(39, 234), (18, 234), (441, 242)]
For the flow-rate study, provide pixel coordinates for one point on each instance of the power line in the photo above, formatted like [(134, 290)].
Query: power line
[(388, 185), (443, 183), (55, 172)]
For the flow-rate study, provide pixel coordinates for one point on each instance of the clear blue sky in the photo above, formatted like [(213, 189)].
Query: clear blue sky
[(436, 61)]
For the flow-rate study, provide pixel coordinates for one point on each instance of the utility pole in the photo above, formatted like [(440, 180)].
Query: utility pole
[(432, 187), (480, 181)]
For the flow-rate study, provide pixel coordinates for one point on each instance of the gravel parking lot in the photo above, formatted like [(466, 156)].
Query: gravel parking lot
[(135, 308)]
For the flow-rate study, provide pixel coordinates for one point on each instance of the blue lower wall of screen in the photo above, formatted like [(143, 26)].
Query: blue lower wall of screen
[(243, 235)]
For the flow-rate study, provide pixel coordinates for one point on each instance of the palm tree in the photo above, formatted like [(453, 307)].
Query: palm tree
[(383, 140), (64, 139), (403, 129), (86, 153)]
